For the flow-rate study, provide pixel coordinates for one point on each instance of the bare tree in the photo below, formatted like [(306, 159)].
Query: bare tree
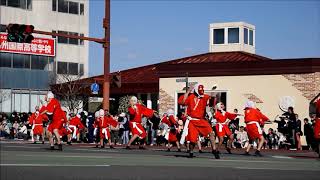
[(71, 90), (4, 95)]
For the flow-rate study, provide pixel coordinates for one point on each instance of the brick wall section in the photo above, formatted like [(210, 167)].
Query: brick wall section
[(308, 84), (165, 102)]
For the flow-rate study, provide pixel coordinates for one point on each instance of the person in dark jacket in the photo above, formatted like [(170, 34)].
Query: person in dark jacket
[(292, 125), (308, 132)]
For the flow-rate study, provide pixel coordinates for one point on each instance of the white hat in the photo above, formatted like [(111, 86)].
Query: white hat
[(219, 107), (170, 112), (134, 99), (101, 112), (122, 114), (96, 114), (249, 104), (50, 95)]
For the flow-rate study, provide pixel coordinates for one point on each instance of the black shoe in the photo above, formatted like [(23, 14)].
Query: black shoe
[(257, 153), (102, 147), (128, 148), (51, 147), (216, 154), (229, 150), (42, 142), (97, 146), (69, 143), (168, 150), (60, 147), (188, 151), (142, 148), (200, 151), (34, 142), (179, 150), (111, 147), (246, 153), (191, 155)]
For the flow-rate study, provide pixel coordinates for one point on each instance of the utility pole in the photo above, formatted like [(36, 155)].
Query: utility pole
[(106, 46)]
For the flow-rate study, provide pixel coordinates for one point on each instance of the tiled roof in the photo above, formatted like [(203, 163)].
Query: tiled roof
[(148, 74)]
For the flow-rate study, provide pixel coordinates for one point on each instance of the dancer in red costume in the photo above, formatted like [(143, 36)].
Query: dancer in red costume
[(222, 126), (136, 112), (74, 127), (172, 131), (253, 119), (105, 123), (57, 117), (196, 124), (317, 127), (36, 120)]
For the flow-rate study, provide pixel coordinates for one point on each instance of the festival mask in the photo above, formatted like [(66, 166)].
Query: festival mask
[(201, 90)]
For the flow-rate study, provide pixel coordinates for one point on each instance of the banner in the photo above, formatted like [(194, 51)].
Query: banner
[(39, 46)]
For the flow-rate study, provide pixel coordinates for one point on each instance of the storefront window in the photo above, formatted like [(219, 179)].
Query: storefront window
[(25, 102), (34, 99), (17, 102), (5, 100)]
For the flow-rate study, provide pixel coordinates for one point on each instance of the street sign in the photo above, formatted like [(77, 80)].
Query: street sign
[(192, 83), (95, 88), (38, 46), (181, 80)]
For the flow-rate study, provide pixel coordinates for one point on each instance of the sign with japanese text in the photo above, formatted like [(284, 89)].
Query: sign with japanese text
[(39, 46)]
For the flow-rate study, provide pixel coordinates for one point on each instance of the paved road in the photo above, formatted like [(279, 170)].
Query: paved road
[(36, 162)]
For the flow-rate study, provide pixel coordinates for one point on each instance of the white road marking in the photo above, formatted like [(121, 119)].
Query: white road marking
[(24, 147), (57, 165), (282, 157), (96, 150), (248, 161), (37, 155), (274, 168)]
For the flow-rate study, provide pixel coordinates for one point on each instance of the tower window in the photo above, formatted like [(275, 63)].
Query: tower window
[(233, 35), (218, 36)]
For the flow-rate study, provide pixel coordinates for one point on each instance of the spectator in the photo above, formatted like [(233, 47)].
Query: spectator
[(23, 132), (4, 128), (282, 126), (15, 128), (272, 139), (308, 132), (124, 127), (292, 125), (242, 139), (234, 124), (298, 133)]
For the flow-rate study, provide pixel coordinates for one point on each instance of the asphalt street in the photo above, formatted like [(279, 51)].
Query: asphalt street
[(23, 160)]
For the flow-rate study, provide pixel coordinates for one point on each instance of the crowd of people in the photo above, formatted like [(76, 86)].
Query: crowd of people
[(194, 126)]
